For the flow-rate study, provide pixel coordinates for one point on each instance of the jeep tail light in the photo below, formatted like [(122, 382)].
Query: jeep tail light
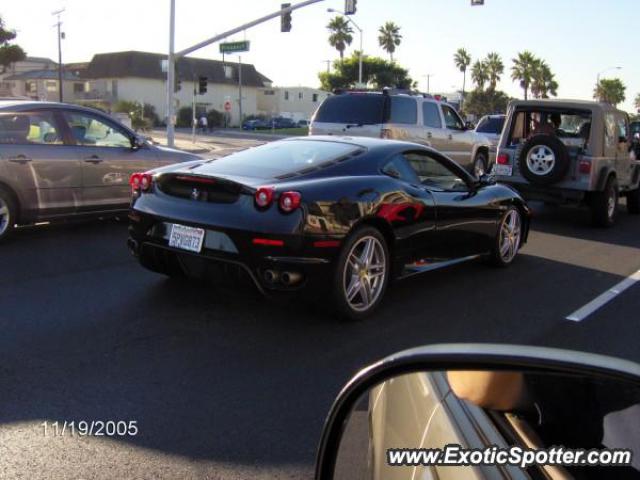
[(264, 196), (584, 167), (385, 133), (141, 182), (503, 159), (289, 201)]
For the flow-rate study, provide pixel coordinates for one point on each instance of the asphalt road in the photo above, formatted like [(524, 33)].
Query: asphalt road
[(224, 384)]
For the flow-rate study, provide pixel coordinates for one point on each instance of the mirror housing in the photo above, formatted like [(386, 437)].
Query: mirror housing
[(463, 357), (469, 125), (137, 142)]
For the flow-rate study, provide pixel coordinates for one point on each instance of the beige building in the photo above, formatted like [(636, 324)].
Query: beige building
[(298, 103), (139, 76)]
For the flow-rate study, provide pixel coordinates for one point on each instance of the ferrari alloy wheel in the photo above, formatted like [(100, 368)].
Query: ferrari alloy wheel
[(362, 274), (509, 238)]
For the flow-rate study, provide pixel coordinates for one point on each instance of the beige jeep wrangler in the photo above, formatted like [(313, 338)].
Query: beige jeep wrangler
[(570, 151)]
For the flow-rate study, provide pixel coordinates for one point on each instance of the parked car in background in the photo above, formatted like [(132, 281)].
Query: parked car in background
[(60, 161), (490, 126), (256, 124), (303, 123), (329, 215), (415, 118), (283, 122), (570, 152)]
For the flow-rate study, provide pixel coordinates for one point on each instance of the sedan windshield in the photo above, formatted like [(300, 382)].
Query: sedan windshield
[(280, 158), (491, 125)]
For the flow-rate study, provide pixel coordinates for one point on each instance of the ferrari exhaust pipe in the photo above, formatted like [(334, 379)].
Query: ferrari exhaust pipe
[(270, 276), (290, 278)]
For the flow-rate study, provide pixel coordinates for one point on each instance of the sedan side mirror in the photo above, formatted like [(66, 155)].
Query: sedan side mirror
[(137, 143), (469, 126), (485, 411)]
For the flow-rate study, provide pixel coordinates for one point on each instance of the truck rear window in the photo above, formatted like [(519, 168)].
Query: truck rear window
[(352, 109)]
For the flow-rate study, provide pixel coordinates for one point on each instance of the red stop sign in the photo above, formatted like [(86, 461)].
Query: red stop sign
[(227, 106)]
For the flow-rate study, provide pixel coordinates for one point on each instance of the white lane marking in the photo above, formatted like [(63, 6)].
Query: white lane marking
[(605, 298)]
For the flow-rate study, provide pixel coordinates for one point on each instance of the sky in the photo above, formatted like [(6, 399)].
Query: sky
[(577, 38)]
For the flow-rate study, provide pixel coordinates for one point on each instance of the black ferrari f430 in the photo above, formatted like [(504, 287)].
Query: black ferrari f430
[(339, 217)]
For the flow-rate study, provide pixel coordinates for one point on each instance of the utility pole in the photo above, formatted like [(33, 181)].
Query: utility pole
[(428, 76), (171, 73), (57, 13), (173, 56), (240, 88), (193, 113)]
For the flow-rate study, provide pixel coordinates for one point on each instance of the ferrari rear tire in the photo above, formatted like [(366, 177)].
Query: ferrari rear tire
[(7, 214), (162, 262), (362, 274), (508, 239)]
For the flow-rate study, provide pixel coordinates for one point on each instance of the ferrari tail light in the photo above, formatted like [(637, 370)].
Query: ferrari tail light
[(141, 182), (264, 196), (503, 159), (289, 201)]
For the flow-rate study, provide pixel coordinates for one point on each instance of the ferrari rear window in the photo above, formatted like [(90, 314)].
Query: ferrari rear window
[(282, 158)]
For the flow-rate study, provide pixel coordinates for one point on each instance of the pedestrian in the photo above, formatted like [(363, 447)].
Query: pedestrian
[(203, 124)]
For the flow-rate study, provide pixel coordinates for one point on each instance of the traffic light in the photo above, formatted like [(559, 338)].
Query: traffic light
[(202, 85), (350, 7), (285, 18)]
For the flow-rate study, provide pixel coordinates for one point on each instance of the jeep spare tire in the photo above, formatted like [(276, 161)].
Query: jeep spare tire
[(544, 160)]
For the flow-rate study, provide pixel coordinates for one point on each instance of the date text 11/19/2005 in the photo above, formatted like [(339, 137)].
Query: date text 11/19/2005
[(90, 428)]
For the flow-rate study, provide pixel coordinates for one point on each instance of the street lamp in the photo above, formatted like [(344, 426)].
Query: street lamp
[(349, 19), (604, 71)]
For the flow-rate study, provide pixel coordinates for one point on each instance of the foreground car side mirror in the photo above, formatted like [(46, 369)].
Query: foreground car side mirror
[(469, 125), (485, 411)]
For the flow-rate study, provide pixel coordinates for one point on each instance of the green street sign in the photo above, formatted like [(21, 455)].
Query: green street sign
[(234, 47)]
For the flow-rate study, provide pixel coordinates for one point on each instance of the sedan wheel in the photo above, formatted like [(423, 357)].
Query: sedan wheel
[(7, 216), (362, 273), (508, 239)]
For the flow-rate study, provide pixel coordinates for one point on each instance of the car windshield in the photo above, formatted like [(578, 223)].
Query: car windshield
[(490, 125), (280, 158), (352, 109)]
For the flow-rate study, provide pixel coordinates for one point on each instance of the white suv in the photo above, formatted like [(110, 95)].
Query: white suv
[(415, 118)]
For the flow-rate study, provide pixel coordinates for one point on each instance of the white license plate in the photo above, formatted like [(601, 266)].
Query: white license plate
[(504, 170), (186, 238)]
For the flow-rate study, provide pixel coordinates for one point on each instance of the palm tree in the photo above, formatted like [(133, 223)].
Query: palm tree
[(610, 90), (389, 38), (479, 74), (462, 60), (341, 34), (495, 69), (522, 70), (543, 81)]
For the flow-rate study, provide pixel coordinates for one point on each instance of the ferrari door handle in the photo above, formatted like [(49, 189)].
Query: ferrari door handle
[(20, 159), (93, 159)]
